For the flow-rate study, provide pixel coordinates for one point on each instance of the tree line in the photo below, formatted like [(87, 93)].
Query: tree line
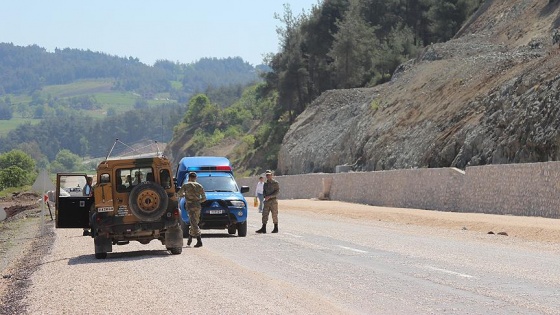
[(28, 69), (84, 136), (354, 43)]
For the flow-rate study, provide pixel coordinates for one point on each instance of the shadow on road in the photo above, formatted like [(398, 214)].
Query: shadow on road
[(132, 255)]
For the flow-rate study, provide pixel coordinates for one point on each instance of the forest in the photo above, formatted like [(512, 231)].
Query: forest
[(337, 44), (354, 43)]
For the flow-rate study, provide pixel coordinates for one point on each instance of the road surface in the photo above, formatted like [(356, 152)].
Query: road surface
[(329, 258)]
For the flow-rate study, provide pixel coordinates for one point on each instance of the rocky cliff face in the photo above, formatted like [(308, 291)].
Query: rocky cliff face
[(490, 95)]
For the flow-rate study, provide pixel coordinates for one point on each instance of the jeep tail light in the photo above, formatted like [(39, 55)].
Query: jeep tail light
[(176, 213)]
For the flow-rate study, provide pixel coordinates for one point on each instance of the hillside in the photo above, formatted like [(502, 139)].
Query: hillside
[(488, 96)]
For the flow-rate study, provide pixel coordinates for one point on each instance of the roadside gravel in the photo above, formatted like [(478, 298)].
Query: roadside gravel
[(25, 241)]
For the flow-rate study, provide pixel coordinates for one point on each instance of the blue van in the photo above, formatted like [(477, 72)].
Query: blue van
[(225, 206)]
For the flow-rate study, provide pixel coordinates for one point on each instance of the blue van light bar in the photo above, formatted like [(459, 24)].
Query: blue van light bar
[(209, 168)]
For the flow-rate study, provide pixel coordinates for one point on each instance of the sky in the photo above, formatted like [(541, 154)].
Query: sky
[(181, 31)]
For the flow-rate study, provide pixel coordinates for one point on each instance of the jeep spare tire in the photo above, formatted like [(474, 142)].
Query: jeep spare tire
[(148, 201)]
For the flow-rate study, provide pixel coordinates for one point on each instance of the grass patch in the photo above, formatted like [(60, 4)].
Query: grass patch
[(8, 125), (82, 87)]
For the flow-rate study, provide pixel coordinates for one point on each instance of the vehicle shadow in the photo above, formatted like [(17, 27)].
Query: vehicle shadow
[(218, 235), (124, 256)]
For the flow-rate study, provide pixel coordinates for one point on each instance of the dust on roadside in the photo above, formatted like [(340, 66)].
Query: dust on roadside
[(536, 229), (25, 237)]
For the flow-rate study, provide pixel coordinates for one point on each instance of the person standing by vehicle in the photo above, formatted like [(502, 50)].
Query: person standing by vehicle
[(259, 193), (270, 191), (88, 189), (194, 195), (88, 192)]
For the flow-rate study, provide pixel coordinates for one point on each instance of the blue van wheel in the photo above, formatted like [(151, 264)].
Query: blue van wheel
[(242, 229)]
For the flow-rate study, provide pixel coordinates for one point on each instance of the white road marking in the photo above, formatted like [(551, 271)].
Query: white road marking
[(293, 235), (352, 249), (450, 272)]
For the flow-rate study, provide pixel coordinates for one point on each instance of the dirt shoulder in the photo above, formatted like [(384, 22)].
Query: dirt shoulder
[(527, 228), (24, 240)]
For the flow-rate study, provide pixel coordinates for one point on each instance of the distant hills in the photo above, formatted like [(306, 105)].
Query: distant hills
[(82, 100)]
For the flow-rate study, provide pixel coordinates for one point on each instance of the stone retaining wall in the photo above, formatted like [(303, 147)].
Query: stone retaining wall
[(531, 189)]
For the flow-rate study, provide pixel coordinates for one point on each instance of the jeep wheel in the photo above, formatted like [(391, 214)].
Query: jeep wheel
[(100, 255), (148, 201), (242, 229), (232, 229), (176, 250)]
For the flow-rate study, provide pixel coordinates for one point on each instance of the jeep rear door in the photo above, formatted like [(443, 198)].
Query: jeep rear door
[(72, 209)]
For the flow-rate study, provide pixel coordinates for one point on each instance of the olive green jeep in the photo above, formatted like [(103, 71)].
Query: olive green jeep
[(133, 200)]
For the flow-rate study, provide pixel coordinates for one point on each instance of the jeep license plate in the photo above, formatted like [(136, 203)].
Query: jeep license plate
[(215, 211), (105, 209)]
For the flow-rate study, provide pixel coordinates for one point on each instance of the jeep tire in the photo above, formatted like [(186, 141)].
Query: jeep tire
[(176, 250), (148, 201)]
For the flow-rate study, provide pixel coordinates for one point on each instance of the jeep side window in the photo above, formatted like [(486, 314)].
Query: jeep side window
[(104, 178), (165, 179)]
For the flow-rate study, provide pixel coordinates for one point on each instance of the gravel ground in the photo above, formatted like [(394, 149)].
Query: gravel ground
[(25, 241)]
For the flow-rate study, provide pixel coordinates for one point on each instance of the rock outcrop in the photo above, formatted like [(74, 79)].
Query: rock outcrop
[(490, 95)]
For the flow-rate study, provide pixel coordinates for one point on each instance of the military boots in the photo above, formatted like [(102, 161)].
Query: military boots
[(189, 240), (262, 230), (198, 242), (275, 230)]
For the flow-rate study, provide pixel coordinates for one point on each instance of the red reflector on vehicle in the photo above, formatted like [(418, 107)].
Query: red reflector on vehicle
[(176, 212)]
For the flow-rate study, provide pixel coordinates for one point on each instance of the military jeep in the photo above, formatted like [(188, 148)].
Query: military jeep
[(133, 200)]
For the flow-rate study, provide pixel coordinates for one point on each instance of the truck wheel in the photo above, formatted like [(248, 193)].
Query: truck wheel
[(232, 229), (100, 255), (242, 229), (176, 250), (148, 201)]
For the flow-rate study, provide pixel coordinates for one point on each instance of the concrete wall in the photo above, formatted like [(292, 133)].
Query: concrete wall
[(531, 189)]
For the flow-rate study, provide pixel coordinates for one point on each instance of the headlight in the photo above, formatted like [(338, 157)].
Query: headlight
[(237, 203)]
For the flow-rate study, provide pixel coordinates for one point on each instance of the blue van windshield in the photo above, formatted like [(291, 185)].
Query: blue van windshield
[(219, 184)]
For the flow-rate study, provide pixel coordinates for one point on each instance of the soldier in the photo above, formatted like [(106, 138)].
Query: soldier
[(194, 195), (270, 191)]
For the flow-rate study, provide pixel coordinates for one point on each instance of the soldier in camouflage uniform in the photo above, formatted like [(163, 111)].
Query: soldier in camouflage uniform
[(270, 192), (194, 195)]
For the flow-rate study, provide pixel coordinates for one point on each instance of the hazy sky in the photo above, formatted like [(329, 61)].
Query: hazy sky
[(176, 30)]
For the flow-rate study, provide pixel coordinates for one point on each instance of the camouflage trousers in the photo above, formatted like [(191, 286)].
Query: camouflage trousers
[(194, 218), (270, 205)]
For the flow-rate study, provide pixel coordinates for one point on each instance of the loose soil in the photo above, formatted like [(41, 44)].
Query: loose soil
[(26, 237)]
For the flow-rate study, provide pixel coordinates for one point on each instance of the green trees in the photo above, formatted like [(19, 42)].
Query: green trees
[(354, 43), (6, 111), (16, 169), (354, 48), (66, 161)]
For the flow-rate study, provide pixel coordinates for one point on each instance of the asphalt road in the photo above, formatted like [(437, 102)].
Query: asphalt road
[(317, 264)]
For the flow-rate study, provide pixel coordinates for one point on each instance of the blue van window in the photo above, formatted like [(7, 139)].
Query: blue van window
[(225, 184)]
